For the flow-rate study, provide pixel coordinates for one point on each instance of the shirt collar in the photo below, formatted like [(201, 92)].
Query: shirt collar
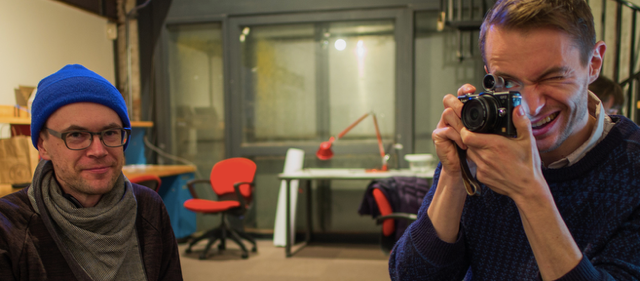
[(596, 110)]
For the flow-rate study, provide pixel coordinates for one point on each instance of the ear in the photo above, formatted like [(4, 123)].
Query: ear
[(596, 61), (42, 150)]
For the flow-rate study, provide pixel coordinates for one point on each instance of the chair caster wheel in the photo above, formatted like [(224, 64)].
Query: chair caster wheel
[(221, 247), (188, 251), (254, 249), (245, 255)]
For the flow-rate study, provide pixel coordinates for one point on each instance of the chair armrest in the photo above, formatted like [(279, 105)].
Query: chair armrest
[(192, 190), (406, 216), (236, 188)]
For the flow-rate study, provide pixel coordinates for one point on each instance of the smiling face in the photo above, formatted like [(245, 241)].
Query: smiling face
[(544, 65), (85, 174)]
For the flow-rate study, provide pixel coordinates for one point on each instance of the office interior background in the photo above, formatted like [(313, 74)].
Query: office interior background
[(281, 74), (252, 78)]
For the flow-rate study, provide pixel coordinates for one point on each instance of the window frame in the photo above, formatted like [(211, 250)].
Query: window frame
[(403, 35)]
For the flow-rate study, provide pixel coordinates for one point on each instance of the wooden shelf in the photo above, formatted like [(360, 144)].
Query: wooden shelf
[(15, 120), (158, 170), (27, 121), (144, 124)]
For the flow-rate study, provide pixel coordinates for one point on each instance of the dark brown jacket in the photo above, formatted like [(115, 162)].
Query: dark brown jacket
[(28, 252)]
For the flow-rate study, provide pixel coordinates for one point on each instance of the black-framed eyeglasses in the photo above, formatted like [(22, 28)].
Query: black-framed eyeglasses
[(81, 139)]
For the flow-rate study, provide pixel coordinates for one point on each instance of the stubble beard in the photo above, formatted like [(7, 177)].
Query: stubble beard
[(570, 126)]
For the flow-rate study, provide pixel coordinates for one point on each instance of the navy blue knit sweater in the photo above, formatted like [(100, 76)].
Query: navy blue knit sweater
[(598, 198)]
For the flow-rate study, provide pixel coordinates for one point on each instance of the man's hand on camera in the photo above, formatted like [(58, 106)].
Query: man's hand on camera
[(448, 201), (509, 166), (447, 133)]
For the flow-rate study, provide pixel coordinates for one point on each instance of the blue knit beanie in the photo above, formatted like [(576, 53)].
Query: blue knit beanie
[(71, 84)]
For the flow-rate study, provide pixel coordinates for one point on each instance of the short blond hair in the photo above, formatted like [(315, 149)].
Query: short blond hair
[(573, 17)]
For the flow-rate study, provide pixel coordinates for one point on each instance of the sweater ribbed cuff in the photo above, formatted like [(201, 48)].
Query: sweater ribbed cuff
[(583, 271), (437, 252)]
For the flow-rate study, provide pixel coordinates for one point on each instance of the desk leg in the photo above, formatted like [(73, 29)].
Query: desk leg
[(289, 240), (309, 211), (287, 247)]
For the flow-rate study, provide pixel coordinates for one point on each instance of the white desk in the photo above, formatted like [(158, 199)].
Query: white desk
[(307, 175)]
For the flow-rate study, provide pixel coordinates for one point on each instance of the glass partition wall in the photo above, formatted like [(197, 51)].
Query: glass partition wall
[(302, 83), (196, 90), (196, 101)]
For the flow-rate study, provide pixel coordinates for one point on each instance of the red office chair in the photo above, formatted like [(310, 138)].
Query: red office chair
[(387, 218), (232, 181), (150, 181)]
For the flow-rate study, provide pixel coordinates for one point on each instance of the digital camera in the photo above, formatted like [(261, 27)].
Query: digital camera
[(490, 111)]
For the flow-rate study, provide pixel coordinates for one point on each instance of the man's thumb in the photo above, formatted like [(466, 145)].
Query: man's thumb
[(521, 122)]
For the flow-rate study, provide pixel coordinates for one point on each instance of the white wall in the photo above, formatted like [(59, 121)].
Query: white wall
[(38, 37)]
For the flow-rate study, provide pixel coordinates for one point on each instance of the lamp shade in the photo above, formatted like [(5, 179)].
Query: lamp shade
[(325, 152)]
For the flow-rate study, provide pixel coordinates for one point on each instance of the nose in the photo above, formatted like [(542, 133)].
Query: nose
[(96, 149), (533, 100)]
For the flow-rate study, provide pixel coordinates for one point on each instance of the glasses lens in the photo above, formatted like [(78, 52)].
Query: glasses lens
[(78, 139), (114, 137)]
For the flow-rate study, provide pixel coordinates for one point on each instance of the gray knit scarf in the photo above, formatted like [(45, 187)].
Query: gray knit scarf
[(99, 243)]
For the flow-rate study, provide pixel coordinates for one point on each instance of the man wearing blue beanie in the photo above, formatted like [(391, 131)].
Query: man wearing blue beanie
[(81, 219)]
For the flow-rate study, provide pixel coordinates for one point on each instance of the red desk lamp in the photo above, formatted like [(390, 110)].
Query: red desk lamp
[(325, 153)]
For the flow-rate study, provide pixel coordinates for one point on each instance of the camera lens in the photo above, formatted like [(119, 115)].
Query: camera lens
[(480, 114)]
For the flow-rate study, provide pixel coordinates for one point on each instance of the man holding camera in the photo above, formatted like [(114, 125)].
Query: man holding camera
[(558, 200)]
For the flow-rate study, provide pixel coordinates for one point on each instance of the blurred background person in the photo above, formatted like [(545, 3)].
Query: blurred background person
[(610, 93)]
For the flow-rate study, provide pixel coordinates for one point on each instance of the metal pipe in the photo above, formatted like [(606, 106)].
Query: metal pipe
[(471, 10), (632, 58), (130, 15), (603, 18), (618, 40)]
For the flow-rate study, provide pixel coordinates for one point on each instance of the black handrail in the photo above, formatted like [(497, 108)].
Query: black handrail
[(633, 80)]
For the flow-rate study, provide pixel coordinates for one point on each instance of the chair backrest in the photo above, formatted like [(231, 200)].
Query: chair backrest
[(388, 226), (226, 173), (148, 180)]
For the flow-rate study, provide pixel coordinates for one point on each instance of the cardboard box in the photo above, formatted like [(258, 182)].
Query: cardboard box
[(18, 160), (23, 93)]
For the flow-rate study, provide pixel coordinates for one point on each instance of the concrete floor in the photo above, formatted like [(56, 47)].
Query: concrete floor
[(315, 262)]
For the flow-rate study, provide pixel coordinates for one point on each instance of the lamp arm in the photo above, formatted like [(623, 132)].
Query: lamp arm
[(375, 122), (325, 153), (382, 154), (346, 130)]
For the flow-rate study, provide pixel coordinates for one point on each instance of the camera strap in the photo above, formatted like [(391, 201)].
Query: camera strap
[(471, 185)]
